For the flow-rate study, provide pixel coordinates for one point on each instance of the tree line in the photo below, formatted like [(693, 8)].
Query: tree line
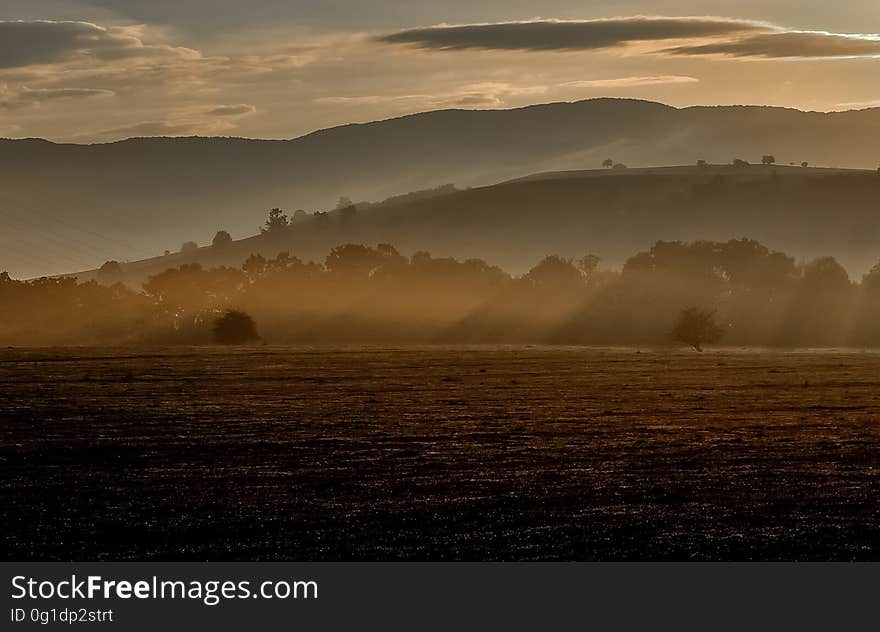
[(739, 292)]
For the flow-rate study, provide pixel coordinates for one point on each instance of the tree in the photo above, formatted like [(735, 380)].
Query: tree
[(702, 164), (110, 272), (359, 261), (805, 164), (608, 163), (697, 327), (871, 281), (769, 159), (235, 327), (825, 274), (221, 239), (738, 162), (276, 222), (189, 247), (588, 264), (254, 265), (555, 272)]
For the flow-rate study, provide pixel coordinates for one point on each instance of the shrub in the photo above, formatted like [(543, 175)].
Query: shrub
[(697, 327), (235, 327)]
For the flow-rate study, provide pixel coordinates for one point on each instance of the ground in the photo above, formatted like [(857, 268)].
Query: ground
[(439, 453)]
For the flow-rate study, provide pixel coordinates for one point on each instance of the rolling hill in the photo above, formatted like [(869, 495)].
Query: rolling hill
[(71, 207), (805, 212)]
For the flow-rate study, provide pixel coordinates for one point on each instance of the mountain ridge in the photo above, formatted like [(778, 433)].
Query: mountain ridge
[(133, 198)]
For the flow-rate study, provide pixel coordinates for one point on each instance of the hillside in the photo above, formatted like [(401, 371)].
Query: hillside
[(68, 207), (806, 212)]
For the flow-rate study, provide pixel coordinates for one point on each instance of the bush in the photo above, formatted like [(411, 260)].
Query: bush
[(235, 327), (189, 247), (697, 327), (221, 239)]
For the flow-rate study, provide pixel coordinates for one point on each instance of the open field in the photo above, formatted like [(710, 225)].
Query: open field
[(466, 453)]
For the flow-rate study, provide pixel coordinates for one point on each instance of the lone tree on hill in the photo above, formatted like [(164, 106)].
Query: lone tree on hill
[(221, 239), (235, 327), (697, 327), (276, 222), (608, 163), (769, 159), (110, 272), (189, 247)]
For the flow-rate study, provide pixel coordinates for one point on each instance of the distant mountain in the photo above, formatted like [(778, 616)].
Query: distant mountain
[(614, 213), (67, 207)]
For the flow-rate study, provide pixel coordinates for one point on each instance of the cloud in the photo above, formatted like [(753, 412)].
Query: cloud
[(631, 82), (789, 45), (859, 105), (232, 110), (24, 96), (45, 94), (26, 43), (484, 95), (173, 126), (145, 128), (568, 35), (697, 36)]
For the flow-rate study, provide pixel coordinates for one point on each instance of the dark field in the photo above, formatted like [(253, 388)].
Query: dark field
[(478, 453)]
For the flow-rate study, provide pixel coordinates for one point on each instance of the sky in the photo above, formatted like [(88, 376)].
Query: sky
[(101, 70)]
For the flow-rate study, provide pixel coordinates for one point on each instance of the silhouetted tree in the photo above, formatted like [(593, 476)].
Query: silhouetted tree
[(825, 274), (871, 281), (276, 222), (110, 272), (235, 327), (608, 163), (702, 164), (221, 239), (189, 247), (769, 159), (554, 272), (358, 261), (738, 162), (588, 264), (254, 265), (697, 327)]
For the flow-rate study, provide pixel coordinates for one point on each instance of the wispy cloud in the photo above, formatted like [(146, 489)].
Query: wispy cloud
[(694, 36), (26, 43), (185, 126), (568, 35), (859, 105), (631, 82), (232, 110), (486, 95), (24, 96), (789, 45)]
